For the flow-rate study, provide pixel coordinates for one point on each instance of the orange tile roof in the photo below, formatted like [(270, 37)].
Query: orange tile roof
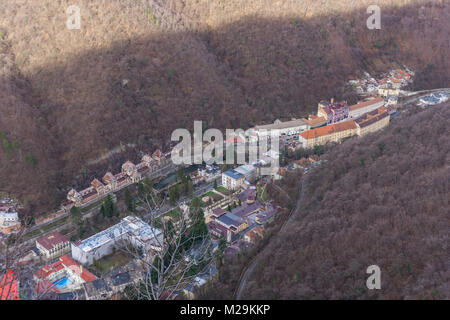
[(8, 286), (65, 262), (372, 117), (48, 269), (363, 104), (333, 128), (74, 266)]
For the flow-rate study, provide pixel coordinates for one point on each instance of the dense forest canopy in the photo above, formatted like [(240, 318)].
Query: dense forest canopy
[(139, 69), (379, 200)]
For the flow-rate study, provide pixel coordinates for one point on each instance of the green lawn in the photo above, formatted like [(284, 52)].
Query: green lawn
[(212, 194), (223, 190), (114, 260), (260, 195)]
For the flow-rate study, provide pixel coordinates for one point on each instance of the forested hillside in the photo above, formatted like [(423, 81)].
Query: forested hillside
[(139, 69), (383, 200)]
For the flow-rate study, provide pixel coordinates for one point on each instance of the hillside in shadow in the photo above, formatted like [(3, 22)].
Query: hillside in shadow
[(137, 70), (378, 200)]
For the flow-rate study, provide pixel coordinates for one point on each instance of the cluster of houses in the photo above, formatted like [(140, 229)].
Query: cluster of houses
[(130, 173), (336, 120), (9, 218), (233, 223), (207, 173), (387, 85)]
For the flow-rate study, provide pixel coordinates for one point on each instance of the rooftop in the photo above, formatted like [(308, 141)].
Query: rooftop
[(132, 225), (246, 209), (372, 117), (96, 286), (363, 104), (281, 125), (245, 169), (233, 174), (218, 212), (313, 121), (121, 278), (51, 240), (230, 219), (9, 215), (335, 106), (330, 129)]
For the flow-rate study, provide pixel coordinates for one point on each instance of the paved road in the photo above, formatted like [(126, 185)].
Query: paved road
[(252, 265)]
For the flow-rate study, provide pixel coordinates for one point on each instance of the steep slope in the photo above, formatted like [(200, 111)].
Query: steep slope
[(139, 69), (381, 200), (27, 151)]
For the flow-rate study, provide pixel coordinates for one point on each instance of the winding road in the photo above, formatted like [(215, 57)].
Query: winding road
[(252, 265)]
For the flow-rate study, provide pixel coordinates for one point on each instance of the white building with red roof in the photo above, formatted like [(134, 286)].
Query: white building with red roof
[(64, 275), (53, 245)]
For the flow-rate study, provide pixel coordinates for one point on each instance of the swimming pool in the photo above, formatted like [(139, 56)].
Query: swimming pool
[(62, 283)]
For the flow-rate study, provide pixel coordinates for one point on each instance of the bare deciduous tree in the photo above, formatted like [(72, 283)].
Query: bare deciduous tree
[(176, 258)]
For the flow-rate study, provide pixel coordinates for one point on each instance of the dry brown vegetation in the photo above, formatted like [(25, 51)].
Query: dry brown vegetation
[(382, 200), (229, 63)]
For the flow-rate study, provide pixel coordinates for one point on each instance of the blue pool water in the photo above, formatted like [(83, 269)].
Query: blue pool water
[(62, 283)]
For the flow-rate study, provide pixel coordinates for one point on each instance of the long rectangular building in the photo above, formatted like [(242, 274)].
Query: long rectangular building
[(290, 127), (372, 121), (131, 229), (362, 107), (331, 133)]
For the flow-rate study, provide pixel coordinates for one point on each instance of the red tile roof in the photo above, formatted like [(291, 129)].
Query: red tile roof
[(74, 266), (65, 262), (372, 117), (8, 286), (218, 212), (48, 269), (51, 240), (333, 128)]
